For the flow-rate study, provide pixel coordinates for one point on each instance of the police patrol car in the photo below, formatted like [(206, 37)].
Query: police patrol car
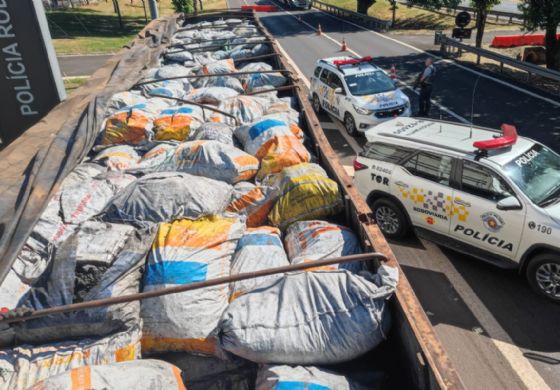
[(357, 92), (490, 194)]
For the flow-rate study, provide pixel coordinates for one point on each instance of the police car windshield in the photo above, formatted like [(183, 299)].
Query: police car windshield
[(369, 83), (537, 173)]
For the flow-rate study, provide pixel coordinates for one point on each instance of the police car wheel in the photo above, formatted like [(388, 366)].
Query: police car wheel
[(317, 104), (390, 218), (350, 125), (543, 274)]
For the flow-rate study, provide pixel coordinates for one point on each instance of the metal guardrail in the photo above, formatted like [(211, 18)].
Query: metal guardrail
[(517, 16), (367, 21), (531, 69)]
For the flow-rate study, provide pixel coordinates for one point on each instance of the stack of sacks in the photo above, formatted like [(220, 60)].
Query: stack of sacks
[(132, 124), (211, 373), (169, 88), (275, 143), (215, 160), (212, 131), (308, 241), (26, 365), (211, 95), (176, 123), (124, 99), (98, 261), (259, 249), (252, 81), (118, 158), (138, 375), (298, 377), (83, 194), (306, 192), (245, 108), (157, 157), (184, 252), (218, 68), (166, 196), (254, 202), (308, 318)]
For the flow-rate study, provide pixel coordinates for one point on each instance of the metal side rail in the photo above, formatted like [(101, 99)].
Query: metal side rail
[(531, 69)]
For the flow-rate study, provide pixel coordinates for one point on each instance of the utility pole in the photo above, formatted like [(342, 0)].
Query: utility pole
[(153, 9)]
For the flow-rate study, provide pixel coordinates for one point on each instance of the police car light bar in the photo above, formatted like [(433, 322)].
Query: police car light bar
[(508, 138), (352, 61)]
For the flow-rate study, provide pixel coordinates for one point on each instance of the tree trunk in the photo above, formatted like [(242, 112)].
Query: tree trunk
[(481, 15), (552, 46), (363, 6)]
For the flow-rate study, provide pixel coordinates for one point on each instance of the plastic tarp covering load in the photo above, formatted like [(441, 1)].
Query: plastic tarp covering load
[(259, 248), (118, 158), (309, 241), (215, 160), (137, 375), (26, 365), (211, 131), (273, 323), (166, 196), (210, 373), (245, 108), (306, 192), (275, 143), (255, 202), (185, 252), (298, 377), (176, 123), (98, 261)]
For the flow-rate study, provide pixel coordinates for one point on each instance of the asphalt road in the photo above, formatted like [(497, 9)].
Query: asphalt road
[(81, 65), (497, 332)]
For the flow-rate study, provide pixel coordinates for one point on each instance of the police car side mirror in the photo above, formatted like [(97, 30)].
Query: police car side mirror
[(509, 203), (339, 91)]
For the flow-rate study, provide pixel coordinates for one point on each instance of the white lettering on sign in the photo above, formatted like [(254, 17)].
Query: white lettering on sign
[(526, 158), (15, 68)]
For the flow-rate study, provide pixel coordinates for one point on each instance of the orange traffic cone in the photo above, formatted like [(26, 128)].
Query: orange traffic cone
[(343, 46), (393, 72), (319, 31)]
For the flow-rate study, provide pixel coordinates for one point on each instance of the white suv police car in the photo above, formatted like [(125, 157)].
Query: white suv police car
[(356, 92), (489, 194)]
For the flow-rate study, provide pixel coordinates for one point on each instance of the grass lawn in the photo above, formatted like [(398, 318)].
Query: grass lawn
[(95, 28), (72, 83), (412, 18)]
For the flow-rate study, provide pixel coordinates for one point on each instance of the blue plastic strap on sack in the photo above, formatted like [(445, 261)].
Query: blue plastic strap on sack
[(263, 126), (175, 272)]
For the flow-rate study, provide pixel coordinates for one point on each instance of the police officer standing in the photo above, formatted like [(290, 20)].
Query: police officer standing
[(424, 81)]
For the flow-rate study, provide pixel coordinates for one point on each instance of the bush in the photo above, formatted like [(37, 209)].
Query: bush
[(185, 6)]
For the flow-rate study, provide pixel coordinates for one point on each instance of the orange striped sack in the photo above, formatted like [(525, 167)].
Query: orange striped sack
[(255, 202)]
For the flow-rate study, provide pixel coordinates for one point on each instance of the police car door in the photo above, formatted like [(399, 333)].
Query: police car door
[(476, 220), (423, 186)]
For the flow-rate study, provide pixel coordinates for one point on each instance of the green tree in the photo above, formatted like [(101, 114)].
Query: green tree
[(482, 7), (544, 14)]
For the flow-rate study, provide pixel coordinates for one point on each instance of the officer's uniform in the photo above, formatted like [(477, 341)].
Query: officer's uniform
[(426, 89)]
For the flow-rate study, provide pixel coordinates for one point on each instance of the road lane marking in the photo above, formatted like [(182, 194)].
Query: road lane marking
[(535, 95), (440, 106), (503, 342)]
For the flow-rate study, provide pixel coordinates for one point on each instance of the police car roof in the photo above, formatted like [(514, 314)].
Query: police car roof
[(349, 69), (452, 137)]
